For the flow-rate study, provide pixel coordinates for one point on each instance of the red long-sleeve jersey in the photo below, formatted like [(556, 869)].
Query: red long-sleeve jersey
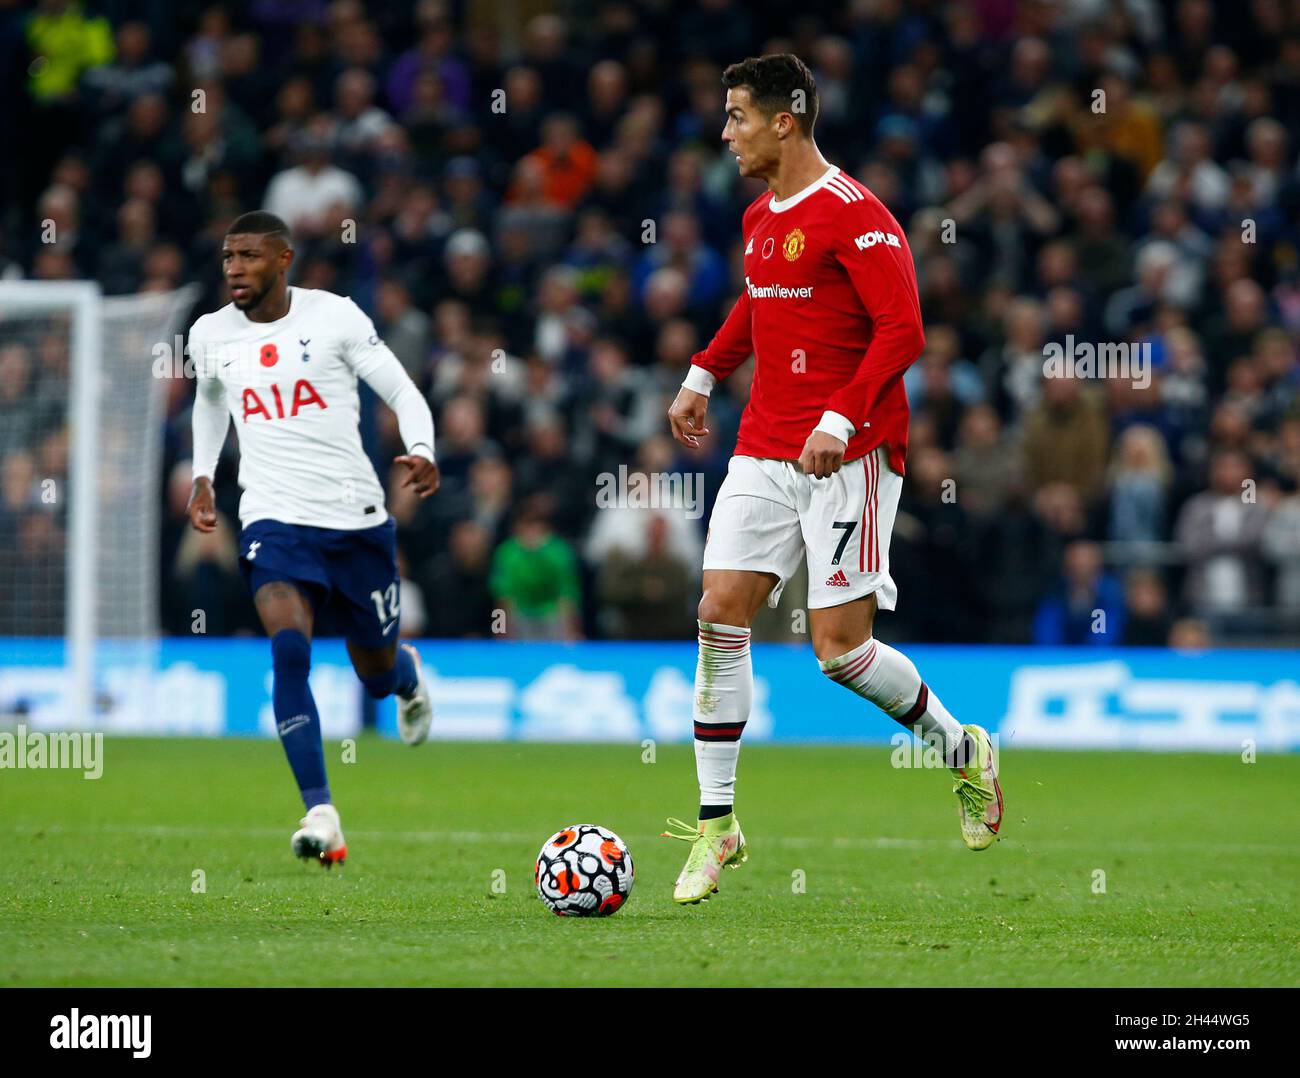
[(830, 311)]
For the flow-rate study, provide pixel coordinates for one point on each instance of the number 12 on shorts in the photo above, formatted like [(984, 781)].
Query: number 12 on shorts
[(378, 598)]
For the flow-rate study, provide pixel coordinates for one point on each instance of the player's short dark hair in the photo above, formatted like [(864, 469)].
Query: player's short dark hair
[(261, 223), (774, 82)]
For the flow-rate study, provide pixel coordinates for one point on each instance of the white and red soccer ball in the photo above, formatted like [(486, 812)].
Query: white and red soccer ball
[(584, 871)]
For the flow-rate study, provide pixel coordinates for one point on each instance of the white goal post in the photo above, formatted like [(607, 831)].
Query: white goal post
[(85, 363)]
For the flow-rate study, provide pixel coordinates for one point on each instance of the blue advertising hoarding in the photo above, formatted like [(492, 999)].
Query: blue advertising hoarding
[(498, 690)]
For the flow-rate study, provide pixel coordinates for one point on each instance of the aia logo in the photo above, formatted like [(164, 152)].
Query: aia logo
[(304, 396)]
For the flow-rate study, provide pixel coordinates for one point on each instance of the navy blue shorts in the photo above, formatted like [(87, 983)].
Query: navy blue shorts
[(350, 577)]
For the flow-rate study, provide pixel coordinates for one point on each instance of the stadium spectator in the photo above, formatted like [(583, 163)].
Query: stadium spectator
[(1147, 621), (986, 466), (1189, 170), (456, 579), (462, 439), (1219, 532), (1281, 545), (534, 578), (314, 196), (611, 407), (1087, 604), (112, 87), (647, 593), (1065, 437), (434, 54), (359, 123), (1139, 481), (1232, 334), (624, 528), (1013, 368), (405, 328), (565, 164), (203, 592), (1190, 634), (19, 421), (121, 266), (415, 610), (933, 550)]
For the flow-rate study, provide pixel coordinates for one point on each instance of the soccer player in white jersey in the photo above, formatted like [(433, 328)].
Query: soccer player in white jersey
[(283, 363), (831, 315)]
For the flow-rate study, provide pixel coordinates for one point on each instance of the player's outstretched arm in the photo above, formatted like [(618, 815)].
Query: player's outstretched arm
[(374, 362), (686, 417), (730, 347), (209, 422)]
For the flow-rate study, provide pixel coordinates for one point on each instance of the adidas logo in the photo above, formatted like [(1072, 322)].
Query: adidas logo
[(839, 580)]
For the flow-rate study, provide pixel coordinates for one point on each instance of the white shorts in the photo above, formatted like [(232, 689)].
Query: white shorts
[(769, 515)]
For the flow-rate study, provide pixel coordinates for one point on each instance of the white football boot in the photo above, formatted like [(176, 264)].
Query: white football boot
[(321, 837), (415, 713)]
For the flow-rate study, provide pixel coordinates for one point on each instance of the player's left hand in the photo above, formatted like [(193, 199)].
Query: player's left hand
[(823, 454), (422, 473)]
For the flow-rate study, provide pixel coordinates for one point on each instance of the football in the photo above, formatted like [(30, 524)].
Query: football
[(584, 871)]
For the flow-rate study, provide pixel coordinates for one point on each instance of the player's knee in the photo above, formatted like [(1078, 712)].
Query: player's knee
[(722, 608), (828, 647), (290, 652)]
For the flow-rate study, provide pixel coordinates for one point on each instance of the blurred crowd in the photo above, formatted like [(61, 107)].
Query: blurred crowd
[(533, 202)]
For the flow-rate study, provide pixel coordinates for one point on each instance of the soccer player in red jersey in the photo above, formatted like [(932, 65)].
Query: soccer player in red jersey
[(830, 312)]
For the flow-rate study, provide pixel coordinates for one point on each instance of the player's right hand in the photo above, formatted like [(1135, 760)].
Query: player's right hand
[(686, 417), (203, 506)]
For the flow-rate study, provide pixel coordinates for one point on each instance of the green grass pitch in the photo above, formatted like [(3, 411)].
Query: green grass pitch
[(857, 875)]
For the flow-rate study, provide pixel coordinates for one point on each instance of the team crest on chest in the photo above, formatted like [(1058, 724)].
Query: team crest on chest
[(792, 245)]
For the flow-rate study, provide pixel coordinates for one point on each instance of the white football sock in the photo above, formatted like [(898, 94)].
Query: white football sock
[(887, 678), (724, 688)]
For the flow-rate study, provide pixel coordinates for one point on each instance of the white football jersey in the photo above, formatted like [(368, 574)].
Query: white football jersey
[(290, 387)]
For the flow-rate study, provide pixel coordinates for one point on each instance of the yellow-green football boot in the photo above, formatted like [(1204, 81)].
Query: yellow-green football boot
[(715, 845), (979, 797)]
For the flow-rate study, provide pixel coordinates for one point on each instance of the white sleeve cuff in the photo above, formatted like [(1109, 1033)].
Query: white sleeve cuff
[(836, 425), (698, 380), (420, 450)]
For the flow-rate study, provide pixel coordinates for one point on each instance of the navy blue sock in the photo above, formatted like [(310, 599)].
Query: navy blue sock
[(401, 679), (296, 719)]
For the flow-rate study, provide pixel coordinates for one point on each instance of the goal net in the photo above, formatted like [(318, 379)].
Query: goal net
[(81, 433)]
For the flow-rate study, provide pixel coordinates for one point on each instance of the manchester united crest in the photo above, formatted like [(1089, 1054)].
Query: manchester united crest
[(792, 245)]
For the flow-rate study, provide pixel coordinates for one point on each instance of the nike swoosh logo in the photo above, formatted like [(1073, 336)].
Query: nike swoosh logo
[(388, 627), (290, 725)]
